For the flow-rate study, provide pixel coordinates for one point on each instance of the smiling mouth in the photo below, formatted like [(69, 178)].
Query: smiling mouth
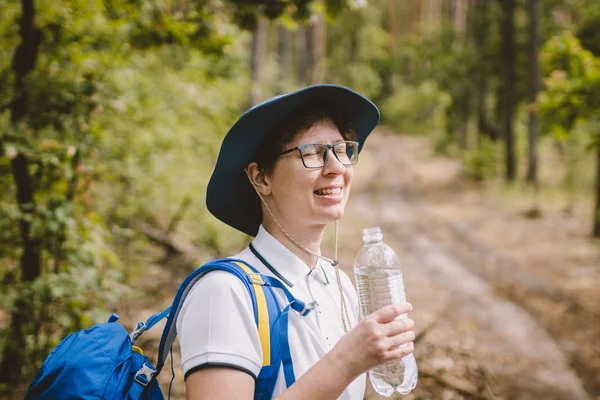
[(328, 192)]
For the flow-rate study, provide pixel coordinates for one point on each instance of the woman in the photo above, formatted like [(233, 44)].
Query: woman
[(284, 172)]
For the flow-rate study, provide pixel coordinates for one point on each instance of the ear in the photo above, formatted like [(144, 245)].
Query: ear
[(260, 180)]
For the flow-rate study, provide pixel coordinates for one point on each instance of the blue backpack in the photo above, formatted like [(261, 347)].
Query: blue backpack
[(103, 363)]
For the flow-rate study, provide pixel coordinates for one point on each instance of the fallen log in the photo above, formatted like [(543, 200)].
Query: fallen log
[(166, 240)]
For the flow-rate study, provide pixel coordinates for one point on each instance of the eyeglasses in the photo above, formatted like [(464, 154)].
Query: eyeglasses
[(315, 155)]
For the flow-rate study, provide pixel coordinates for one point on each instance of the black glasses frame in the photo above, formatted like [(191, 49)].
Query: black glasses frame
[(325, 154)]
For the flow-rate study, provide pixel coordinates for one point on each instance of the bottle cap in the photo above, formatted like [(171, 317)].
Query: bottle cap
[(371, 235)]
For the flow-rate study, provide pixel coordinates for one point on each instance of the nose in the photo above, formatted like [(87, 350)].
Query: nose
[(333, 165)]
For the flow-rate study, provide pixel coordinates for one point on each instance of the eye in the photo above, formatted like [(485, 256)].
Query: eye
[(341, 148), (310, 150)]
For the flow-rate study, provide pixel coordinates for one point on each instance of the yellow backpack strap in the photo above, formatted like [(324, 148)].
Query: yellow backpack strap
[(264, 332)]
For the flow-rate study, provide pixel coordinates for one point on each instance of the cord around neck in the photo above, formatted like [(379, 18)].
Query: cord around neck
[(334, 263)]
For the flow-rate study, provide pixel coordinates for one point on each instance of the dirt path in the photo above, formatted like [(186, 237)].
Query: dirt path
[(477, 342)]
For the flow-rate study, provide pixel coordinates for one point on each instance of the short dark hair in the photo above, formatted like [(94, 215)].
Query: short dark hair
[(294, 124)]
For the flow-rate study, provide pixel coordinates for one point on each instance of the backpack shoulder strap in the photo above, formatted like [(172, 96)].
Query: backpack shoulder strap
[(264, 305), (270, 319), (268, 311)]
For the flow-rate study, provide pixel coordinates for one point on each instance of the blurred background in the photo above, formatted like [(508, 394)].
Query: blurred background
[(484, 174)]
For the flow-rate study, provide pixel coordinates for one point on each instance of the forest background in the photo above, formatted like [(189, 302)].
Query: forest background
[(112, 113)]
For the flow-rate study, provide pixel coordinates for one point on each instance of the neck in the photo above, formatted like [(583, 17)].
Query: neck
[(309, 237)]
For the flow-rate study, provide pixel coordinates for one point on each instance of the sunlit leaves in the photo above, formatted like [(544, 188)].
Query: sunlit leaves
[(572, 83)]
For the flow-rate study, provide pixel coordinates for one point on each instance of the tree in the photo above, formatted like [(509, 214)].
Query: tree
[(460, 16), (301, 55), (319, 47), (24, 61), (55, 87), (283, 51), (47, 139), (509, 84), (257, 58), (533, 9), (480, 29), (572, 96)]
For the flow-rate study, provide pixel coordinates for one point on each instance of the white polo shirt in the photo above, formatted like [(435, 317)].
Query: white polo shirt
[(216, 323)]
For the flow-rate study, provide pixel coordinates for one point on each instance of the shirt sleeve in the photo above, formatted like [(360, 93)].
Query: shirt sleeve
[(216, 326)]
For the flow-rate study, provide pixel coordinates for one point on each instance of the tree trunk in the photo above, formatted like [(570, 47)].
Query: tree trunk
[(302, 61), (597, 209), (284, 57), (385, 73), (23, 63), (415, 20), (509, 57), (479, 29), (425, 17), (310, 51), (463, 126), (430, 14), (436, 12), (533, 9), (481, 94), (404, 13), (354, 43), (259, 44), (319, 43), (460, 16), (392, 23)]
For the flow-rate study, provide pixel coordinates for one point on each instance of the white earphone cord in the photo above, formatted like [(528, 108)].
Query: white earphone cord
[(334, 263)]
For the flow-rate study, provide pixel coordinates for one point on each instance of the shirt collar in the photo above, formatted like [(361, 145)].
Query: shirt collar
[(281, 258)]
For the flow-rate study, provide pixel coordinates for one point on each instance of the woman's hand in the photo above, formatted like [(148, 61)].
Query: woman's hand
[(376, 339)]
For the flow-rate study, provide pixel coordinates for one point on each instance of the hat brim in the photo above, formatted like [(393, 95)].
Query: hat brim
[(230, 197)]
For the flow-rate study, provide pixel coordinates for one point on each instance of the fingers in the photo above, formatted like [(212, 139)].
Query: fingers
[(390, 312), (399, 352), (400, 340), (395, 347), (399, 336), (398, 326)]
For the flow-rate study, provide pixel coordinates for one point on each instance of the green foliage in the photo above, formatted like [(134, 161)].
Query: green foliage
[(81, 277), (247, 12), (194, 24), (416, 109), (174, 116), (123, 116), (572, 83), (481, 163), (115, 128), (358, 50), (442, 61), (571, 98), (573, 155)]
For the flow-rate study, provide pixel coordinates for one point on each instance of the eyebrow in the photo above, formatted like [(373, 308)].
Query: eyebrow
[(336, 142)]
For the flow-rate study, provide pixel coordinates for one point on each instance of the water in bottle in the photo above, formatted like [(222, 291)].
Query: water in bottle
[(379, 280)]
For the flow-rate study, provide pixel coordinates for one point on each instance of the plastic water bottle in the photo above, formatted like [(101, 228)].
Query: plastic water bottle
[(379, 280)]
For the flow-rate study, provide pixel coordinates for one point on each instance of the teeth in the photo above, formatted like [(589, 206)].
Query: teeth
[(325, 192)]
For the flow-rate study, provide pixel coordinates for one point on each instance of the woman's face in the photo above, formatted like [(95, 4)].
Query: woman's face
[(310, 196)]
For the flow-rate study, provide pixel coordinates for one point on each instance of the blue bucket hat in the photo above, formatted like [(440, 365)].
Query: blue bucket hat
[(230, 196)]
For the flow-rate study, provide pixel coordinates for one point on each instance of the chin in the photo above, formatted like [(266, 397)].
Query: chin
[(333, 216), (326, 215)]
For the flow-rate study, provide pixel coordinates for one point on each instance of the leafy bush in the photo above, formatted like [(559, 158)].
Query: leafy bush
[(481, 163), (160, 136), (416, 109), (110, 134)]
